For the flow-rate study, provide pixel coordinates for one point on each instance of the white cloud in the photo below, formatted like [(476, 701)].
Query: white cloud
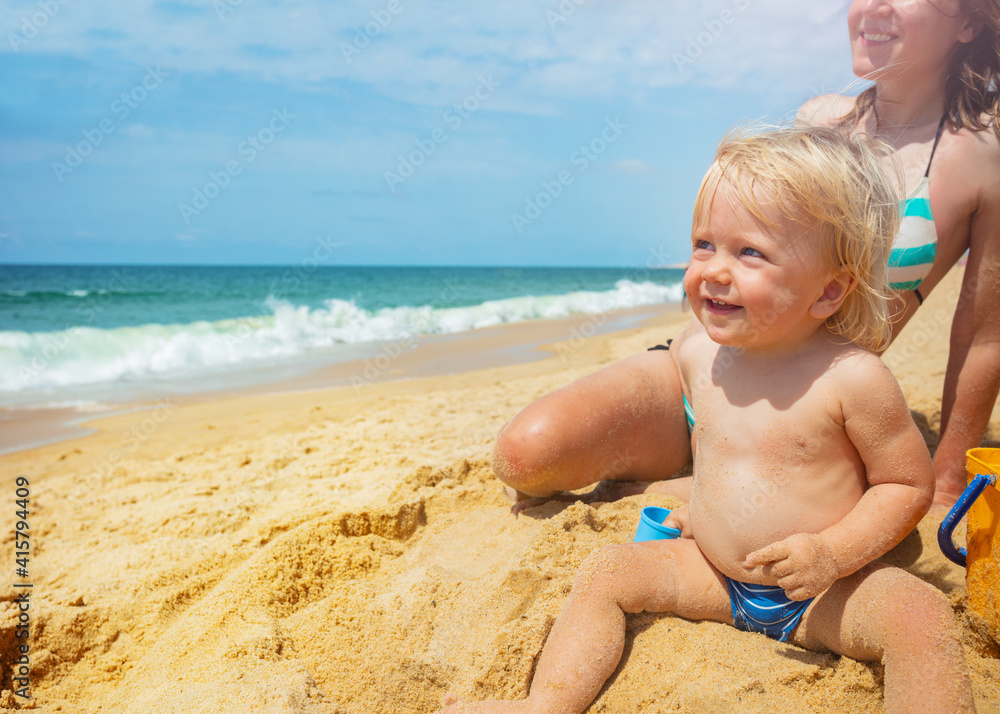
[(28, 150), (631, 166), (430, 51), (138, 130)]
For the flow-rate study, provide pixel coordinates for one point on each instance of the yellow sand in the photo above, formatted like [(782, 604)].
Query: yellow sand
[(352, 552)]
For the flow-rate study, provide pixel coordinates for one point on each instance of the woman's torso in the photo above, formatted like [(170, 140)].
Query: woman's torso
[(953, 182)]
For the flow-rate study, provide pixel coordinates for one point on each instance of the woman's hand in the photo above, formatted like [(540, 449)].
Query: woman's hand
[(604, 492)]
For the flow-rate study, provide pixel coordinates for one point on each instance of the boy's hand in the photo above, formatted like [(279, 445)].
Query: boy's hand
[(803, 564), (678, 519)]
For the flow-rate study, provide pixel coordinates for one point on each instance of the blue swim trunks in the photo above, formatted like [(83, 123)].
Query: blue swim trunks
[(765, 609)]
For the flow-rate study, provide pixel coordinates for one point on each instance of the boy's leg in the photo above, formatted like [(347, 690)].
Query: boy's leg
[(625, 422), (588, 638), (884, 613)]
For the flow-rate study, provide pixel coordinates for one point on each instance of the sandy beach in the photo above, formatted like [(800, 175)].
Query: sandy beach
[(350, 550)]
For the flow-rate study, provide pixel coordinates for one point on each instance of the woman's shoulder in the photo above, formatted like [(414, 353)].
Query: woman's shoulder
[(980, 146), (974, 160), (824, 110)]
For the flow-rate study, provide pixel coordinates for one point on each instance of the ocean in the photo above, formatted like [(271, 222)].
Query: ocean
[(71, 334)]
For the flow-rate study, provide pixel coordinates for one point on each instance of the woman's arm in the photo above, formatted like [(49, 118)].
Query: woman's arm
[(972, 378)]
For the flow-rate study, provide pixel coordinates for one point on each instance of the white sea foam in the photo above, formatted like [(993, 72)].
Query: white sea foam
[(46, 361)]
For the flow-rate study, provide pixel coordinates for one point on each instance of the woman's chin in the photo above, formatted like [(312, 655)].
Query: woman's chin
[(864, 69)]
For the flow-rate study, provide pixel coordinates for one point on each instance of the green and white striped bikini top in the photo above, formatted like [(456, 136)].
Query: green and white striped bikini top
[(915, 245)]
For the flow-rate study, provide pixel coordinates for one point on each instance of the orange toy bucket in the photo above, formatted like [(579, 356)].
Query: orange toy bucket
[(981, 499)]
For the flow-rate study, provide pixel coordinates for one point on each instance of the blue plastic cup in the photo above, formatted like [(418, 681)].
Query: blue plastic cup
[(651, 525)]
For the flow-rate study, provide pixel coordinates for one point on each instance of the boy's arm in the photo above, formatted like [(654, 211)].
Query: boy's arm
[(901, 486), (897, 465)]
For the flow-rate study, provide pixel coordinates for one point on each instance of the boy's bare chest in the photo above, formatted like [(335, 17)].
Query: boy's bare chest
[(794, 427)]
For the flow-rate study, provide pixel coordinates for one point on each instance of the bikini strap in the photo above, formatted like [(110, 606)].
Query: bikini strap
[(937, 138)]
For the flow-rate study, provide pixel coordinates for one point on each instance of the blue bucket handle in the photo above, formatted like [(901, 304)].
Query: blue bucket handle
[(975, 488)]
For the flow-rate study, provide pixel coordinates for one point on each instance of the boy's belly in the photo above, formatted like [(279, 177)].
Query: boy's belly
[(738, 514)]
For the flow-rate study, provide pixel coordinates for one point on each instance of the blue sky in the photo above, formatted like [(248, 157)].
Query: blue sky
[(398, 132)]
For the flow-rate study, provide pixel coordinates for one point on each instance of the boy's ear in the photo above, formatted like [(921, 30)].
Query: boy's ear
[(837, 288)]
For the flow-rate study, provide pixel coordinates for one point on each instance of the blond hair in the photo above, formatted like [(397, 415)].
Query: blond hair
[(819, 177)]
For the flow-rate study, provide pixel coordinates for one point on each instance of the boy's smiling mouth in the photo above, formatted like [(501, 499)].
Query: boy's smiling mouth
[(720, 307)]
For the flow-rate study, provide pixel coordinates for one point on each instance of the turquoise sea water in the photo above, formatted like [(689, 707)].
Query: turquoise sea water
[(63, 328)]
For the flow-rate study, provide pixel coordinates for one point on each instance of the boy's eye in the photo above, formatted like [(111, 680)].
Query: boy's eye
[(752, 252), (702, 245)]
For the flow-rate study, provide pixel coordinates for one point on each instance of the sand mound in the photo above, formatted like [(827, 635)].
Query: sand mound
[(345, 553), (384, 609)]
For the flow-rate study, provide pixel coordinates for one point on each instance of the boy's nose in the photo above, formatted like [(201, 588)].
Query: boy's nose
[(716, 270)]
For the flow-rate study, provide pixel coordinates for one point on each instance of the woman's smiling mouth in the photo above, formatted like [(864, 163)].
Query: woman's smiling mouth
[(875, 37)]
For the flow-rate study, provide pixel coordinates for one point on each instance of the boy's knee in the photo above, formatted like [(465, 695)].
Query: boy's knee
[(603, 567), (915, 611), (623, 574), (926, 612), (616, 573)]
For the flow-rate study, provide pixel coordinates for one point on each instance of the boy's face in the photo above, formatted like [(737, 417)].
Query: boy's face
[(749, 284)]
